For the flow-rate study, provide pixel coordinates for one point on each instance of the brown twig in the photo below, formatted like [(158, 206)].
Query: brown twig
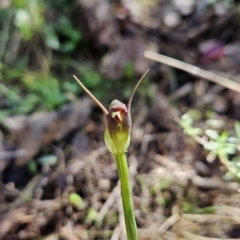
[(210, 76)]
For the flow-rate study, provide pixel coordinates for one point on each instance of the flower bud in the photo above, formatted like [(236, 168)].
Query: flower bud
[(118, 128)]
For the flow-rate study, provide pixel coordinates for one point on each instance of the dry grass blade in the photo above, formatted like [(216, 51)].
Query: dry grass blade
[(168, 223), (107, 205), (191, 236), (210, 76), (27, 192), (209, 218)]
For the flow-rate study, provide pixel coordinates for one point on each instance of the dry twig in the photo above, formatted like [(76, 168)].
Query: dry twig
[(191, 236), (210, 76)]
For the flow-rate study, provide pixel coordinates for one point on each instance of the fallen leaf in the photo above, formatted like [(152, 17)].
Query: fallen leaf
[(37, 130)]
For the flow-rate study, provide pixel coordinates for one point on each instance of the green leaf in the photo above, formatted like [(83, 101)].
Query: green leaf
[(234, 140), (32, 167), (22, 18), (28, 103), (73, 34), (51, 39), (186, 121), (68, 46), (46, 87), (215, 123), (90, 77), (212, 134), (211, 146), (229, 145), (192, 131), (4, 113), (223, 137), (71, 87), (52, 42), (129, 70), (236, 159), (20, 3), (228, 150)]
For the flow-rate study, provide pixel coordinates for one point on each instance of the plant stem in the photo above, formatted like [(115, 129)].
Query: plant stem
[(130, 221)]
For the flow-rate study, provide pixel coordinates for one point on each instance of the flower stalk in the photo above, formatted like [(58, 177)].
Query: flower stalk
[(130, 222), (117, 139)]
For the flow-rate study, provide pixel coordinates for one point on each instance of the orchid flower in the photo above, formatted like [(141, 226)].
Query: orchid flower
[(117, 139)]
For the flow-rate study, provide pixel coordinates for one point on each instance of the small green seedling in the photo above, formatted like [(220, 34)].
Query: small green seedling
[(186, 123), (76, 201), (91, 216), (219, 144)]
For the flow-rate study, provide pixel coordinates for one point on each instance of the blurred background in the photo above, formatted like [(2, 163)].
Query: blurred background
[(57, 179)]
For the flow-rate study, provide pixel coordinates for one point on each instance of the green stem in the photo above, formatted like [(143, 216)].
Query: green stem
[(130, 222)]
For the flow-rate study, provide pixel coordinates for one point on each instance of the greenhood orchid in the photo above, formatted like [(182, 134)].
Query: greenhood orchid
[(118, 121), (117, 139)]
